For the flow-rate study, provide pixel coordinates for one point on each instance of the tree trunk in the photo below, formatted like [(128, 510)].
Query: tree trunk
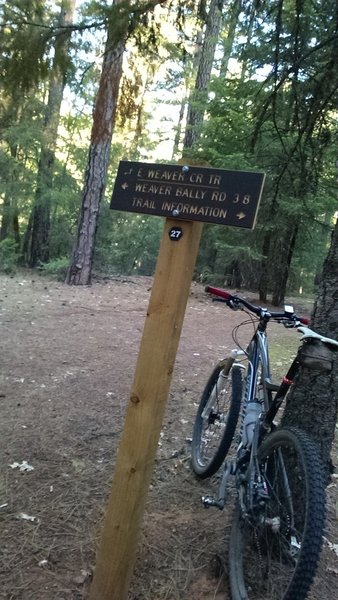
[(179, 127), (234, 277), (252, 8), (10, 215), (80, 268), (38, 248), (38, 244), (228, 41), (79, 271), (199, 97), (264, 278), (313, 401), (6, 217), (10, 220), (281, 265)]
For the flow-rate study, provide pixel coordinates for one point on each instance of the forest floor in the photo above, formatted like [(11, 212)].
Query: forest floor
[(68, 356)]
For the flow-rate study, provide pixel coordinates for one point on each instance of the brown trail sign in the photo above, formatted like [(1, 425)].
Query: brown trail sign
[(188, 193), (155, 363)]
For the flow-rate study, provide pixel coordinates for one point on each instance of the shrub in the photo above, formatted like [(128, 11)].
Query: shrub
[(8, 256), (56, 268)]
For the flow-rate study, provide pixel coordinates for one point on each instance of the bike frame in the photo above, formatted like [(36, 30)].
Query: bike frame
[(259, 366), (258, 388), (258, 373), (275, 468), (257, 353)]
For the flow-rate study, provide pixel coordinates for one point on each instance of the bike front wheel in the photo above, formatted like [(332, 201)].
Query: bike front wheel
[(216, 419), (275, 542)]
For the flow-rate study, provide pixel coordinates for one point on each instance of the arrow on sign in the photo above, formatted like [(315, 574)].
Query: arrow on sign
[(240, 215), (124, 186)]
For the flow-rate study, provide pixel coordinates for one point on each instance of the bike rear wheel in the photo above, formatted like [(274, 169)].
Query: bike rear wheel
[(216, 419), (275, 547)]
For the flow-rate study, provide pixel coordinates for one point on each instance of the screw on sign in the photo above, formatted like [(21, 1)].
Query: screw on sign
[(187, 196)]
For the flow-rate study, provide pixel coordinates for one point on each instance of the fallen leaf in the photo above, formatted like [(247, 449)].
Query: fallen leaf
[(333, 547), (26, 517), (43, 563), (23, 466), (81, 579)]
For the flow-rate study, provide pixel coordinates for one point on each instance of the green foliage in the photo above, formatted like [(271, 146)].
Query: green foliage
[(127, 243), (56, 268), (228, 256), (8, 256), (276, 112), (25, 42), (282, 125)]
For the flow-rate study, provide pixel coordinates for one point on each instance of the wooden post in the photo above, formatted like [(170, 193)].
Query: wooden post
[(145, 411)]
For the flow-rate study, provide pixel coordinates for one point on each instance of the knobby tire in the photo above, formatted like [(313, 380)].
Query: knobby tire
[(212, 436), (278, 562)]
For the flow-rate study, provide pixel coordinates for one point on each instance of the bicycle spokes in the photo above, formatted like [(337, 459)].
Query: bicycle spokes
[(215, 416), (216, 420), (274, 542)]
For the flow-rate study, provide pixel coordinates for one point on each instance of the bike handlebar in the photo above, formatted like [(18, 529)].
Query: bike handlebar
[(234, 302)]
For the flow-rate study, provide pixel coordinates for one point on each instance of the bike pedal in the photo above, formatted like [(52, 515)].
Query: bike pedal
[(209, 501)]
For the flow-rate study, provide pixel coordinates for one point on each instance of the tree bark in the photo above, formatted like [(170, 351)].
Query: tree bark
[(9, 222), (79, 271), (231, 24), (264, 277), (282, 263), (313, 401), (10, 214), (179, 127), (199, 96), (80, 268), (38, 245)]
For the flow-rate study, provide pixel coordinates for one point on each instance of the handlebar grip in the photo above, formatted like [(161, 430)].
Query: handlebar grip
[(218, 292)]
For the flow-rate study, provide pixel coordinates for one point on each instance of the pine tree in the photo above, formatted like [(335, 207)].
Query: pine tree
[(123, 18), (199, 96), (39, 228), (313, 400)]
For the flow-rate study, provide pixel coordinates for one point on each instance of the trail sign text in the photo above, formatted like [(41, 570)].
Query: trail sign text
[(189, 193)]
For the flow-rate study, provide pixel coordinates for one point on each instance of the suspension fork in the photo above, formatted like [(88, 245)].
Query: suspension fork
[(225, 369)]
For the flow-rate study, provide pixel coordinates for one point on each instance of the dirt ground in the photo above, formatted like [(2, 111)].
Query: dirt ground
[(68, 356)]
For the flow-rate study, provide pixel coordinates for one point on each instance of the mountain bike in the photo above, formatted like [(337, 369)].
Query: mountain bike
[(277, 530)]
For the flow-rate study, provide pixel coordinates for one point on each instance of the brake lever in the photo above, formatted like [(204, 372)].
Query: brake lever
[(233, 305), (291, 324)]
